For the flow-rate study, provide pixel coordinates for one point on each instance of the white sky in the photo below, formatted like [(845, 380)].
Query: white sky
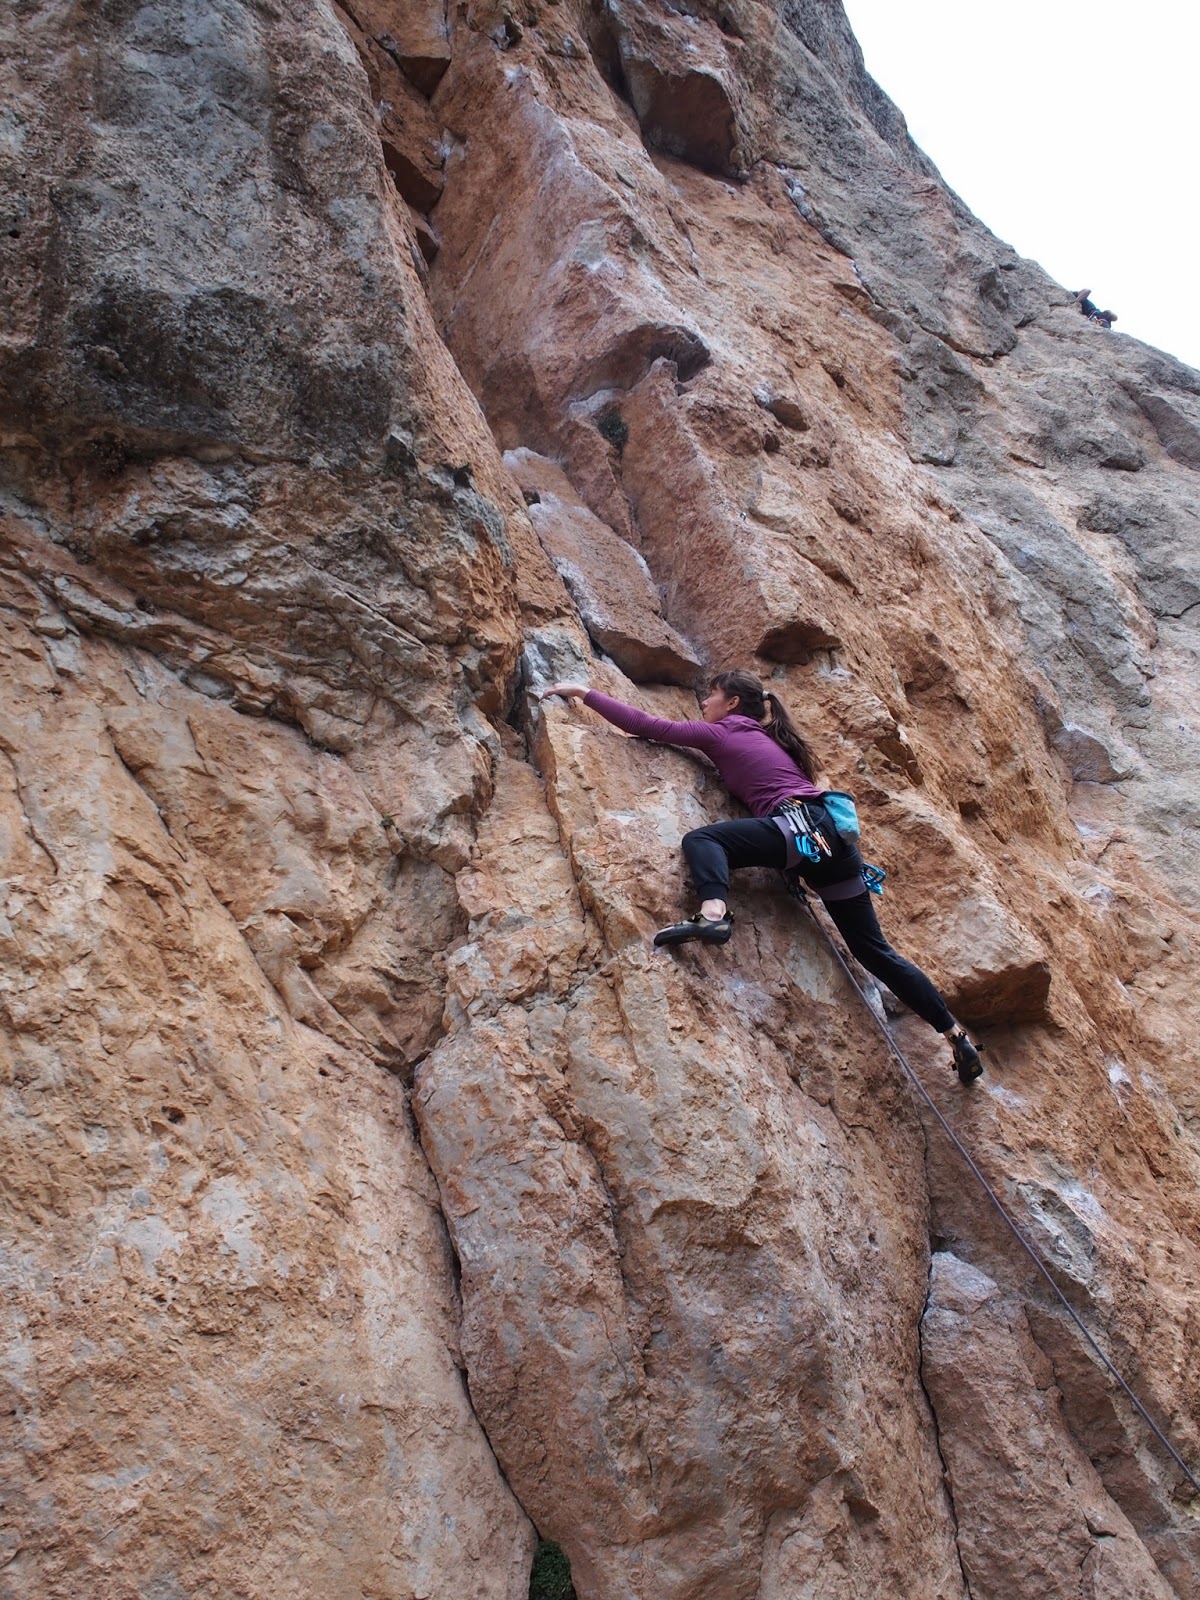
[(1071, 130)]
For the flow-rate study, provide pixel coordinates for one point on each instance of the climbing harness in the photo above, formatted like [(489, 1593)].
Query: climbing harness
[(796, 890), (807, 840), (807, 826)]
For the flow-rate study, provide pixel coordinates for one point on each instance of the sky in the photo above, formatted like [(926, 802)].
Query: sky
[(1072, 131)]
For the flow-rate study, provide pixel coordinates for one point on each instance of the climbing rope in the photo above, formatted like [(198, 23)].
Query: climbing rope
[(796, 890)]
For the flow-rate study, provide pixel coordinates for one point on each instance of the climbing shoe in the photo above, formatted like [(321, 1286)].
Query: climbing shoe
[(712, 930), (966, 1057)]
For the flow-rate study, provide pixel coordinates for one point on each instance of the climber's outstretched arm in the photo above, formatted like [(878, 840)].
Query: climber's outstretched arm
[(695, 735)]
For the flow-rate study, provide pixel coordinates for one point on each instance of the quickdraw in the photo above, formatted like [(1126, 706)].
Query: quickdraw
[(810, 842)]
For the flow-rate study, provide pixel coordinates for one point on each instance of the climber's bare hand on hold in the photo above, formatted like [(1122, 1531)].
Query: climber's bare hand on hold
[(567, 691)]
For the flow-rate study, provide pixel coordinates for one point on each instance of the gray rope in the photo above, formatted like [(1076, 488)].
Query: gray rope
[(798, 893)]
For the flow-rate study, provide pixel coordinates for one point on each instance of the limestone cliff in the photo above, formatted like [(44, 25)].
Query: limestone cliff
[(374, 1194)]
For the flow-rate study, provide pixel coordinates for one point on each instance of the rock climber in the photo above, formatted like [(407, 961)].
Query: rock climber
[(1089, 308), (765, 763)]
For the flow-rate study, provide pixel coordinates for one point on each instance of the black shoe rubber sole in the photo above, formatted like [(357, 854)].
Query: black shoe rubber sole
[(705, 931), (966, 1060)]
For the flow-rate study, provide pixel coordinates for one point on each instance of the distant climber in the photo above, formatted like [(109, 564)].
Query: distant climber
[(1088, 307), (766, 764)]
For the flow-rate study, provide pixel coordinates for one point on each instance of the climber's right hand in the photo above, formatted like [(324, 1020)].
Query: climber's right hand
[(568, 691)]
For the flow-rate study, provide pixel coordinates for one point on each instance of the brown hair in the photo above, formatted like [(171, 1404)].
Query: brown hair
[(754, 701)]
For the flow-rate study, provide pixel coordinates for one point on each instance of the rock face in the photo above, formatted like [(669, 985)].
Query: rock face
[(607, 579), (1011, 1461), (376, 1198)]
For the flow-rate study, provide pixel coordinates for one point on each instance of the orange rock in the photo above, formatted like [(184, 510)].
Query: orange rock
[(998, 1408), (377, 1195), (608, 580)]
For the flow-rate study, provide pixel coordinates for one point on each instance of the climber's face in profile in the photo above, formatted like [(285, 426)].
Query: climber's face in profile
[(717, 704)]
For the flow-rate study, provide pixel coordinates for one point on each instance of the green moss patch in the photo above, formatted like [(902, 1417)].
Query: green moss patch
[(551, 1575)]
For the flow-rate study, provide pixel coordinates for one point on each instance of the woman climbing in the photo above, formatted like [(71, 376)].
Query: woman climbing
[(766, 764)]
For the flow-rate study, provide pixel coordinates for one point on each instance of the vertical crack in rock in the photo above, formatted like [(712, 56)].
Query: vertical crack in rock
[(448, 1236), (26, 816), (947, 1481), (464, 1055)]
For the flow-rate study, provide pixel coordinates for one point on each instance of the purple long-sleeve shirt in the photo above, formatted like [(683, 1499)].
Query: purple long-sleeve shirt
[(754, 769)]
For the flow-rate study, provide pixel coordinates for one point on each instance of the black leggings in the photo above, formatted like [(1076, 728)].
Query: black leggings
[(714, 851)]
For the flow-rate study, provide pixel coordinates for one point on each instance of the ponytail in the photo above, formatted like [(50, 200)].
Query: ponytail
[(754, 702), (786, 734)]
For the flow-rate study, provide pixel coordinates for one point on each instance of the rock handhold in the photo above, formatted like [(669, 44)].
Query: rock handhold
[(986, 962), (412, 34), (1091, 758), (777, 505), (796, 642), (423, 55), (412, 163), (784, 408), (607, 578), (632, 354), (428, 242), (554, 654)]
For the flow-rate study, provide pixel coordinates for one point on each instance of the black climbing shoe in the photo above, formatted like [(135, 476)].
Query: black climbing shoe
[(712, 930), (966, 1057)]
